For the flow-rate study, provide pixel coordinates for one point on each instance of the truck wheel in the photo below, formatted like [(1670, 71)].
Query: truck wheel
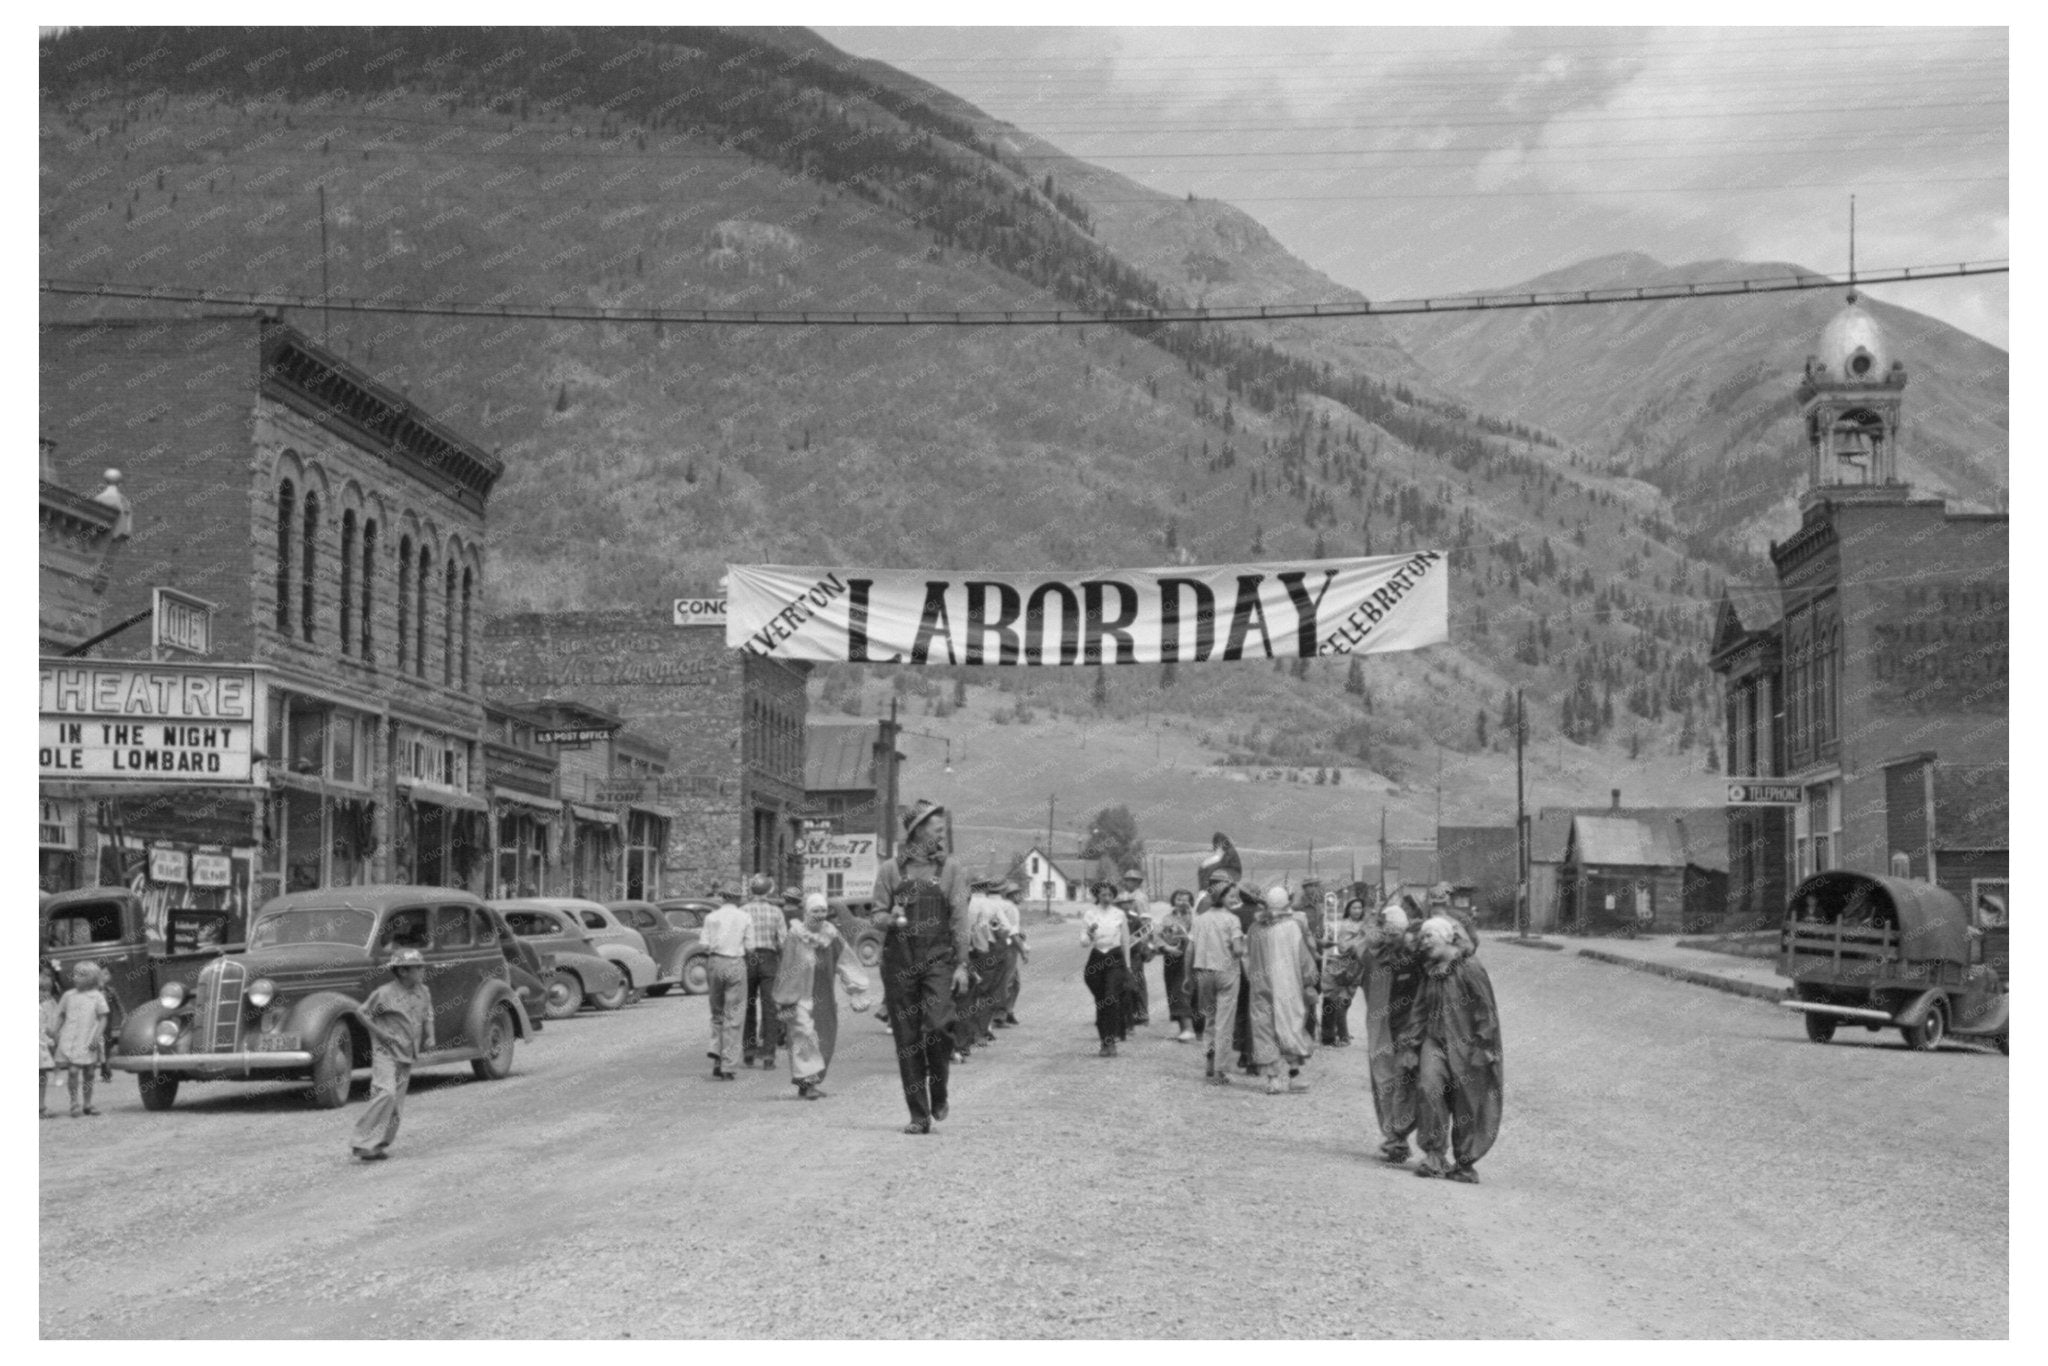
[(1930, 1031), (613, 999), (1820, 1028), (499, 1036), (697, 974), (158, 1092), (333, 1068), (565, 995)]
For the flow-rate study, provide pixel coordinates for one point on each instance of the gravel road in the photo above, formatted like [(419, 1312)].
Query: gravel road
[(1674, 1162)]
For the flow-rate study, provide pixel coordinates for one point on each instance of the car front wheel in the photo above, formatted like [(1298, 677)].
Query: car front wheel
[(613, 999), (499, 1036), (1932, 1028), (158, 1092), (333, 1068)]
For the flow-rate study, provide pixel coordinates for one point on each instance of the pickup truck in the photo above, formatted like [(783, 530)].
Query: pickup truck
[(106, 926)]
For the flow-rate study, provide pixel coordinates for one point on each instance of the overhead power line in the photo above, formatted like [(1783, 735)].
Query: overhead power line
[(1019, 317)]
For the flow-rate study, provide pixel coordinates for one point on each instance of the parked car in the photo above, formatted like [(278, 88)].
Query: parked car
[(672, 948), (106, 926), (289, 1004), (1884, 952), (528, 973), (580, 971)]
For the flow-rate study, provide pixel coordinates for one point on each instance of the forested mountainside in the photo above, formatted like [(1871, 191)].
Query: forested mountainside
[(761, 169)]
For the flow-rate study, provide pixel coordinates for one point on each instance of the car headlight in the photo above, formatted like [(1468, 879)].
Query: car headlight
[(166, 1033), (172, 996), (260, 992)]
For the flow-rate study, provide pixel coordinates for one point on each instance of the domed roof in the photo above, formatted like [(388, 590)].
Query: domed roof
[(1854, 347)]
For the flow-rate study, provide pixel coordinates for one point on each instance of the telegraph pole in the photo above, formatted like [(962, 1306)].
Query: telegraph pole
[(324, 339), (1051, 804), (1521, 832)]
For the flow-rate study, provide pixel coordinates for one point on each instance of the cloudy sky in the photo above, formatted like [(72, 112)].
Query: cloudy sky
[(1404, 162)]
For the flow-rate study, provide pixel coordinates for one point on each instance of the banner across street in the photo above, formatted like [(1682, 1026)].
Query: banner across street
[(1186, 614)]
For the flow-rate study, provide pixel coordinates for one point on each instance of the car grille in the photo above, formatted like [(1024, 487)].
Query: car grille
[(217, 1007)]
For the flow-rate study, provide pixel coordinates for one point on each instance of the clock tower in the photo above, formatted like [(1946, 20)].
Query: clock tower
[(1849, 401)]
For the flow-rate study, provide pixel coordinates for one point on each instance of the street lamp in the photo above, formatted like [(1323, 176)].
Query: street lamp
[(944, 740)]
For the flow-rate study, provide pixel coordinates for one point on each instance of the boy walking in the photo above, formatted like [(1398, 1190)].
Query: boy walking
[(401, 1018), (1215, 954)]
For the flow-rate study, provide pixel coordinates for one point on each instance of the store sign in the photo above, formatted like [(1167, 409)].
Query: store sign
[(57, 825), (580, 735), (840, 865), (618, 791), (1764, 794), (700, 612), (148, 722), (167, 865), (212, 870), (181, 621)]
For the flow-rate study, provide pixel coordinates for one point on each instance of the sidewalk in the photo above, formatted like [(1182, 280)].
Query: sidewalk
[(1662, 955)]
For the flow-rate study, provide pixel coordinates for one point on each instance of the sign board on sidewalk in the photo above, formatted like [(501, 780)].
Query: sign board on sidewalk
[(840, 865), (1764, 794), (700, 612)]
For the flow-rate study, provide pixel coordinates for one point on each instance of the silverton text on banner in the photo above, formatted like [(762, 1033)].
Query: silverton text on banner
[(1186, 614)]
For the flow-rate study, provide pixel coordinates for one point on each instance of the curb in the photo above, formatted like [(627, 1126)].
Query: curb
[(1521, 943), (1701, 979)]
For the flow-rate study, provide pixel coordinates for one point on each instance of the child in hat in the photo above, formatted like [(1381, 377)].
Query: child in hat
[(400, 1015)]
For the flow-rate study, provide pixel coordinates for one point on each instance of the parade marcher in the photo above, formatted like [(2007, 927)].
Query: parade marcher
[(81, 1047), (766, 926), (1392, 974), (921, 907), (1010, 919), (1281, 965), (400, 1015), (1106, 933), (814, 964), (1137, 997), (725, 939), (1452, 1043), (1343, 966), (1216, 960), (989, 963), (969, 1027), (1170, 936)]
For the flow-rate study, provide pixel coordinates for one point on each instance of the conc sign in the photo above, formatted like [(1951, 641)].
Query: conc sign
[(700, 612)]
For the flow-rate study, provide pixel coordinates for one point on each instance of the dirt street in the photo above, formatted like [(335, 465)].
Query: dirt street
[(1674, 1162)]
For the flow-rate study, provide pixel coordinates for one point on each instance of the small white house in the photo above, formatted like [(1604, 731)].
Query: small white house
[(1043, 880)]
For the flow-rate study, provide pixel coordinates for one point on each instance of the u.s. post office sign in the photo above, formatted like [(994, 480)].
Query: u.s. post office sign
[(1764, 794), (149, 722)]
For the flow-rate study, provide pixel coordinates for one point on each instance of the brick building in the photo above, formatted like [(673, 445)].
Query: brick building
[(1869, 681), (332, 732), (730, 724)]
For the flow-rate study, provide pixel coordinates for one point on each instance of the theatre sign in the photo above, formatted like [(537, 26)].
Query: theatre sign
[(186, 723)]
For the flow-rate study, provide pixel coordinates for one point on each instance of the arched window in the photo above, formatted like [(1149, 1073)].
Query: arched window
[(310, 549), (448, 627), (369, 581), (419, 626), (466, 586), (404, 598), (348, 579), (287, 508)]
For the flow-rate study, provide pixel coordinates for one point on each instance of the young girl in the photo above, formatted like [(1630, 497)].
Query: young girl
[(47, 1012), (81, 1035)]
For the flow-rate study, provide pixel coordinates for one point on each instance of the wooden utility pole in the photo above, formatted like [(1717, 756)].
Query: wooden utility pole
[(1521, 831), (1051, 805), (324, 338)]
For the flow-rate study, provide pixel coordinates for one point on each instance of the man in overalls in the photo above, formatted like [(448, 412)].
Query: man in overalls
[(920, 902)]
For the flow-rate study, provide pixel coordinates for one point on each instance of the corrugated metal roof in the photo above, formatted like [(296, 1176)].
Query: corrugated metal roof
[(840, 757)]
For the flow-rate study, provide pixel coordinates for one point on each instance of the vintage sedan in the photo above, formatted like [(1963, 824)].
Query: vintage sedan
[(290, 1004), (678, 951), (529, 974), (579, 972)]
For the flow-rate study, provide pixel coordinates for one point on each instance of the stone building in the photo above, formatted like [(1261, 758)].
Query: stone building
[(332, 731), (1866, 687), (731, 725)]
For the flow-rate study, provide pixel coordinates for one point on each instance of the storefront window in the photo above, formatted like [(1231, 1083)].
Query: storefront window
[(307, 731), (343, 767), (646, 836), (303, 841)]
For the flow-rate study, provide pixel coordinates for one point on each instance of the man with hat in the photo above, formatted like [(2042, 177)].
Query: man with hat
[(400, 1015), (1137, 996), (1220, 869), (760, 1036), (921, 908)]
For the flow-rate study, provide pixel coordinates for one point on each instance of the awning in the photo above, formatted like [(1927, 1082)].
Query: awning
[(94, 789), (551, 805), (441, 796), (660, 813), (594, 815)]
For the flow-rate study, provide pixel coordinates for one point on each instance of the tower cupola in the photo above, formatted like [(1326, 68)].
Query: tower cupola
[(1849, 399)]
